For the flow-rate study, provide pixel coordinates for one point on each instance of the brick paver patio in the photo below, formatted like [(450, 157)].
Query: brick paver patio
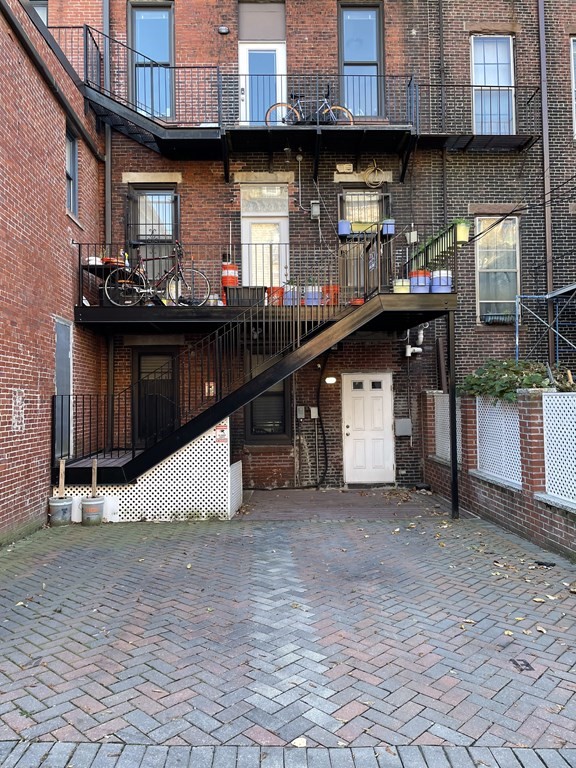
[(395, 638)]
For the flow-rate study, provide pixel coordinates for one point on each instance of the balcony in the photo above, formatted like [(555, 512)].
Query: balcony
[(208, 112), (478, 118), (287, 282)]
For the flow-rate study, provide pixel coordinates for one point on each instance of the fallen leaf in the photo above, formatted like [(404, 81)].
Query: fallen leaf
[(508, 632), (20, 603), (526, 631), (552, 597), (538, 600), (541, 629), (189, 566), (518, 618), (468, 621), (299, 742)]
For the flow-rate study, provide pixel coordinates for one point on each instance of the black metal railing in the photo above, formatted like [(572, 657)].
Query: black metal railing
[(479, 110), (240, 275), (184, 95), (70, 40), (314, 99), (432, 263)]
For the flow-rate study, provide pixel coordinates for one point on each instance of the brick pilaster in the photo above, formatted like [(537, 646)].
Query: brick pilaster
[(469, 433), (531, 424)]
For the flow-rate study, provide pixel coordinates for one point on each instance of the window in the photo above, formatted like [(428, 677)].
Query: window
[(152, 59), (41, 8), (152, 216), (268, 416), (360, 58), (364, 209), (493, 81), (497, 246), (71, 174), (152, 224)]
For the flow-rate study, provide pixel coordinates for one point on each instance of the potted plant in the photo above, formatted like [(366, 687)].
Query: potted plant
[(291, 297), (462, 229), (312, 293)]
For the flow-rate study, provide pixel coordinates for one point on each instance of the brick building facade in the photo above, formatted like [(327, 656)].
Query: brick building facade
[(162, 109)]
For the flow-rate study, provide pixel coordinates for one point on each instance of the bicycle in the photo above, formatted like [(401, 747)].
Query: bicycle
[(295, 113), (128, 286)]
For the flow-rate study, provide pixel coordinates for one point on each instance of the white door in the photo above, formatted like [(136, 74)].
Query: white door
[(368, 433), (262, 79), (264, 251)]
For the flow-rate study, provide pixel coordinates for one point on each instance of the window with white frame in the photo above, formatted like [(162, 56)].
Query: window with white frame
[(573, 67), (493, 85), (497, 265), (71, 174)]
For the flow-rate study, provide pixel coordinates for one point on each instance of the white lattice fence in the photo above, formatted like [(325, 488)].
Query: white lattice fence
[(559, 410), (195, 483), (498, 436), (442, 426)]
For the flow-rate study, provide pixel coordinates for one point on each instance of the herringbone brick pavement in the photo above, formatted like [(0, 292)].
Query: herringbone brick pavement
[(377, 635)]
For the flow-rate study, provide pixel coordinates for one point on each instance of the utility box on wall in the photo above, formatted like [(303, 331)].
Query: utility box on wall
[(403, 427)]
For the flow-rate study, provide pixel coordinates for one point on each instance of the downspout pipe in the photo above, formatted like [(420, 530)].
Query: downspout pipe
[(107, 128), (546, 177)]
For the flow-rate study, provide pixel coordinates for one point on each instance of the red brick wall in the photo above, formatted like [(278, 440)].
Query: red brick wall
[(515, 509), (38, 270)]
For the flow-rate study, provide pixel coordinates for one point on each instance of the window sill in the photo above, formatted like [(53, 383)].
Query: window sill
[(74, 219), (556, 501), (281, 443), (510, 485)]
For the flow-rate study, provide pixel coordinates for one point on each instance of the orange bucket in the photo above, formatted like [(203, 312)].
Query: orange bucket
[(275, 296), (330, 294), (229, 274)]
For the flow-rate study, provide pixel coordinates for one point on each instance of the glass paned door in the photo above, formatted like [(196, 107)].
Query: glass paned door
[(262, 79), (265, 252), (152, 60), (493, 81), (360, 60)]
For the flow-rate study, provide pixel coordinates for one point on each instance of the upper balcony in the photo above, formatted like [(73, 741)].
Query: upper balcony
[(208, 112)]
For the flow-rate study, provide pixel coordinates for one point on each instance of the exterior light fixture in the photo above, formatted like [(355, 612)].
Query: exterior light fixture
[(223, 30), (315, 209), (330, 379)]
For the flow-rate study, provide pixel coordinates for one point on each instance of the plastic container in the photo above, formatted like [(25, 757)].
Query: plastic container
[(92, 510), (420, 280), (312, 295), (441, 281), (402, 285), (229, 274), (275, 296), (344, 228), (291, 297), (60, 511)]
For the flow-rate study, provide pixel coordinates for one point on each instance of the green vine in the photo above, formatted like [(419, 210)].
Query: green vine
[(499, 379)]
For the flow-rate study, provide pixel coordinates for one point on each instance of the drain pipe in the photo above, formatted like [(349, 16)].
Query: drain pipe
[(546, 177), (107, 128)]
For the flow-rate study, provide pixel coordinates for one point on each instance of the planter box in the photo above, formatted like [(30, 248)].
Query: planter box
[(242, 296)]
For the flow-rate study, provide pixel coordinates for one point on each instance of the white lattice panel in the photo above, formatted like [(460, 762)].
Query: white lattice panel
[(195, 483), (442, 426), (560, 443), (498, 439)]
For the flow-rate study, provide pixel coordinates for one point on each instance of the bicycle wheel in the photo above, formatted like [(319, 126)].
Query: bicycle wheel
[(194, 293), (124, 289), (338, 115), (282, 114)]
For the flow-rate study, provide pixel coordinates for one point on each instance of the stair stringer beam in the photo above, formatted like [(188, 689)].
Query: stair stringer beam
[(351, 321)]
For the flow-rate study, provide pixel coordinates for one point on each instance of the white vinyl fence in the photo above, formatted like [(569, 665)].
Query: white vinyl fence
[(498, 435), (559, 410)]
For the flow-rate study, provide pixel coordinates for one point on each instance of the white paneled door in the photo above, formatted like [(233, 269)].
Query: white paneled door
[(368, 432)]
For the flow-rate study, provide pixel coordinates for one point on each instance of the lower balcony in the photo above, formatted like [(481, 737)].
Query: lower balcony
[(168, 287)]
